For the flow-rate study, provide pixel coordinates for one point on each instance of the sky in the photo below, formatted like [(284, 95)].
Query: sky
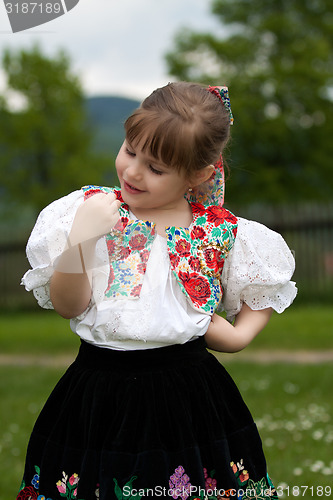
[(116, 47)]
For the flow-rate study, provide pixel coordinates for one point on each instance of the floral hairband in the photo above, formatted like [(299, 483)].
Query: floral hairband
[(222, 94), (212, 191)]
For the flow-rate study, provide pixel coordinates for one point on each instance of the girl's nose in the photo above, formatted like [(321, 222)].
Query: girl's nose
[(134, 170)]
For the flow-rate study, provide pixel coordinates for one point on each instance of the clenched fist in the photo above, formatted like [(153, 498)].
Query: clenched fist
[(94, 218)]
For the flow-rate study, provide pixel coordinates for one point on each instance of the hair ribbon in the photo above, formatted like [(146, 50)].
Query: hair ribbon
[(222, 93), (211, 192)]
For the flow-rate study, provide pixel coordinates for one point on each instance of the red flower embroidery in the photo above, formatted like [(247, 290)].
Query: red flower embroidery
[(124, 253), (136, 291), (142, 268), (144, 255), (230, 217), (111, 278), (213, 259), (210, 483), (117, 192), (194, 263), (244, 476), (138, 242), (174, 259), (28, 493), (196, 286), (91, 192), (183, 247), (216, 215), (197, 233), (111, 246), (197, 208), (121, 224)]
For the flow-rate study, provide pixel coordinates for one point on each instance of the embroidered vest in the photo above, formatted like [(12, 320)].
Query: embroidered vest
[(196, 253)]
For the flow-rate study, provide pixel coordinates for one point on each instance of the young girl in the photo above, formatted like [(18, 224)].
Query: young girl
[(145, 410)]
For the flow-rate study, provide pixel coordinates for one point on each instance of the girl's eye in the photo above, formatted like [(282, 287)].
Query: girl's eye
[(155, 171), (130, 153)]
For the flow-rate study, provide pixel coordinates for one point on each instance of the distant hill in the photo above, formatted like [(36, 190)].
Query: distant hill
[(106, 115)]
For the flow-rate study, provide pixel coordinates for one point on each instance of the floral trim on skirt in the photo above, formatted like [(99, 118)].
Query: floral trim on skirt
[(158, 423)]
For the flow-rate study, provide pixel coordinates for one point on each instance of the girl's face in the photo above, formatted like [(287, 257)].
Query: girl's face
[(147, 184)]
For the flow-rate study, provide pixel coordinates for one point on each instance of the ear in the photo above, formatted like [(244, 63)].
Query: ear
[(202, 175)]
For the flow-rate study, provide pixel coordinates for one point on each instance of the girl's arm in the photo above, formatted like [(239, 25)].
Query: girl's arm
[(225, 337), (70, 286)]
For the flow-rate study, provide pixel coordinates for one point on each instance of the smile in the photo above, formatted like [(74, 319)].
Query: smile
[(131, 189)]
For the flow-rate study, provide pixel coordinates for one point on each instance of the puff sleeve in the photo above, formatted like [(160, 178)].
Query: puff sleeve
[(47, 242), (257, 271)]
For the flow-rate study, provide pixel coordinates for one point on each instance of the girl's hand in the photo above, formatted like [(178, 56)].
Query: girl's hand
[(94, 218), (219, 329), (225, 337), (70, 286)]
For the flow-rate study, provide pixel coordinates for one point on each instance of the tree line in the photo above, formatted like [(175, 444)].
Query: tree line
[(276, 57)]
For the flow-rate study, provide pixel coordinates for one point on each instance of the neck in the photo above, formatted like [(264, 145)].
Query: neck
[(178, 216)]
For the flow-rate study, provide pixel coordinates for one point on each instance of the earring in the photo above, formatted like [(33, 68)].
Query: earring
[(190, 190)]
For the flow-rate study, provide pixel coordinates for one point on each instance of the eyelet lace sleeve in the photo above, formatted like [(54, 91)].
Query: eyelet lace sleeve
[(257, 271), (47, 242)]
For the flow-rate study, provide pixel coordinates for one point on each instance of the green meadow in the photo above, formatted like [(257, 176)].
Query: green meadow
[(292, 402)]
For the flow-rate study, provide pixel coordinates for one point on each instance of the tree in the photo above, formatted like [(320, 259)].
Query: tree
[(276, 56), (46, 147)]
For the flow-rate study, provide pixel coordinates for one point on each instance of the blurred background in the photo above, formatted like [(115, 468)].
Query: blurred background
[(66, 88)]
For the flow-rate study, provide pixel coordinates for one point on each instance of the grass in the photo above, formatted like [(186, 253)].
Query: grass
[(298, 328), (23, 391), (292, 404), (292, 408), (36, 333), (44, 331)]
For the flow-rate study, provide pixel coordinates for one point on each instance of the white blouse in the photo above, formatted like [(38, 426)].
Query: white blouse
[(257, 271)]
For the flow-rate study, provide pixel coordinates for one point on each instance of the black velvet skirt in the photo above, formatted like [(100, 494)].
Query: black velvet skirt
[(158, 423)]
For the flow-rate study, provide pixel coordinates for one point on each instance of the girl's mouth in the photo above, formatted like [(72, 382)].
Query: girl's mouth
[(131, 189)]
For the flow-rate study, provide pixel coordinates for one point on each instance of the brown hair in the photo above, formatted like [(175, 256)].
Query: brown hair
[(183, 125)]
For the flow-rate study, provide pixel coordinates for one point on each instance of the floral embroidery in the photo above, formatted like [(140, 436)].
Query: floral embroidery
[(197, 233), (180, 487), (196, 254), (136, 291), (216, 215), (67, 487), (198, 208), (210, 483), (194, 263), (123, 253), (241, 474), (174, 259), (196, 286), (138, 242), (211, 259), (183, 248), (27, 493), (179, 484), (31, 492), (124, 493), (207, 242), (259, 490), (35, 481)]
